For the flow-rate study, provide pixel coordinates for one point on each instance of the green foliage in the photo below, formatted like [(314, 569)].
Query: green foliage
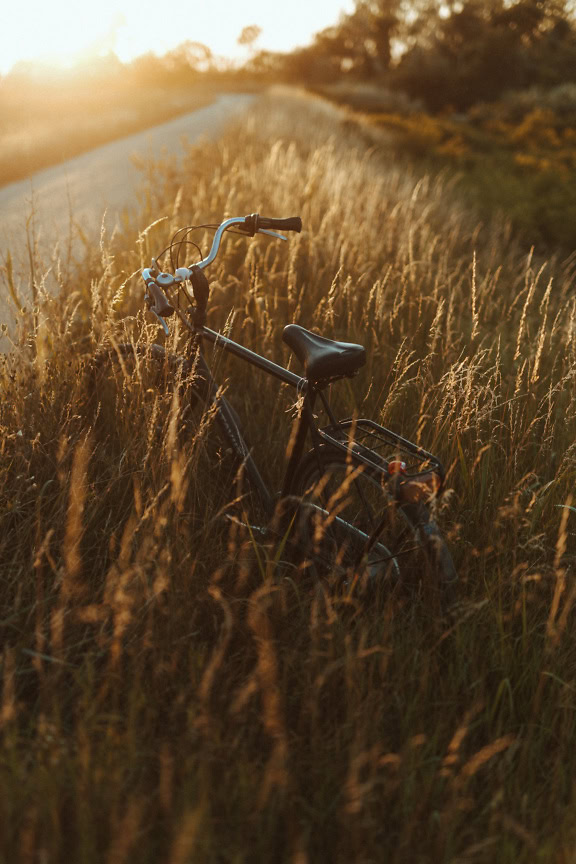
[(517, 157), (479, 50)]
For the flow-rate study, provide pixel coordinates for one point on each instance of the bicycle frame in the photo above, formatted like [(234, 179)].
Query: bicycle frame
[(225, 415), (230, 427), (232, 432)]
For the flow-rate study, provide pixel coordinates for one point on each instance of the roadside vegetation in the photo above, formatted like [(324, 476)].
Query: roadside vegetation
[(483, 90), (516, 156), (166, 696)]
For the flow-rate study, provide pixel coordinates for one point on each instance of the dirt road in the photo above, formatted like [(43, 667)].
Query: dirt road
[(102, 181)]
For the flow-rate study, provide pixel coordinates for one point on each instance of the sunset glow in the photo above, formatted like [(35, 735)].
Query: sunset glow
[(66, 32)]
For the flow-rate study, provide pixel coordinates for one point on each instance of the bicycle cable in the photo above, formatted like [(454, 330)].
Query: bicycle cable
[(185, 241)]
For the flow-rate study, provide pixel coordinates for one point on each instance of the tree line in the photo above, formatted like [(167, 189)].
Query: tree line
[(452, 53)]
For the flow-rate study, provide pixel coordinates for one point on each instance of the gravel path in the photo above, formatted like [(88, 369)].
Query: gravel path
[(101, 181)]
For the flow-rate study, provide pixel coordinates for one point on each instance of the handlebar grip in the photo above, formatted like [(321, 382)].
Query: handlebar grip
[(292, 223), (161, 304), (253, 222)]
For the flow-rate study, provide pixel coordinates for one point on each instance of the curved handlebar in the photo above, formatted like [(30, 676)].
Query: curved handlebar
[(253, 224)]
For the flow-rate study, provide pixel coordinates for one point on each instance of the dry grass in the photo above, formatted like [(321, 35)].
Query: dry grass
[(164, 697)]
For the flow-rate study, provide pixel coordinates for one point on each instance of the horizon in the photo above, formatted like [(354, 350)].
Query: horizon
[(130, 29)]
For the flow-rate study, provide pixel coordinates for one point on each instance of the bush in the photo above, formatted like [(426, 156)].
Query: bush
[(560, 100), (373, 98)]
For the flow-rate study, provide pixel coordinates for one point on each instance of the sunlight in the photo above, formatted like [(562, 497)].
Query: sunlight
[(65, 32)]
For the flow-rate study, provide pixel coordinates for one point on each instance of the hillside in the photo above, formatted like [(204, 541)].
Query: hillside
[(166, 696)]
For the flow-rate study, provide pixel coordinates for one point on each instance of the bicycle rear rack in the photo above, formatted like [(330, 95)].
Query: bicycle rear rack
[(376, 447)]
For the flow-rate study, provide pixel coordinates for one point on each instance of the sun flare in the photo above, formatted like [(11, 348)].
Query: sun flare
[(66, 32)]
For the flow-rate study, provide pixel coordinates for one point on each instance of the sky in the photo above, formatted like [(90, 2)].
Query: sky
[(63, 31)]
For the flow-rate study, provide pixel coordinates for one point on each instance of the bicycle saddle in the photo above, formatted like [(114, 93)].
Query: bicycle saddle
[(323, 358)]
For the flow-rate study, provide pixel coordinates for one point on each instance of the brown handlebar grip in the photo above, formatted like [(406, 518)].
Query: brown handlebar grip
[(292, 223), (161, 304)]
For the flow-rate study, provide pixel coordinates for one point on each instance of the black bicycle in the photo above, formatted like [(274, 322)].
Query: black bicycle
[(365, 493)]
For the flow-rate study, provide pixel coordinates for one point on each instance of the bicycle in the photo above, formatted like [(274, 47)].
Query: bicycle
[(367, 489)]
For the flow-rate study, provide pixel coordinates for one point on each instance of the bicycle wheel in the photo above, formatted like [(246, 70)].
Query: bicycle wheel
[(376, 543)]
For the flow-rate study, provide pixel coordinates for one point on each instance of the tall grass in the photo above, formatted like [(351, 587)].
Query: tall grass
[(167, 698)]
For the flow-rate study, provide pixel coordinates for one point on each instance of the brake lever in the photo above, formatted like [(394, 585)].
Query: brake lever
[(271, 234), (240, 230), (161, 320)]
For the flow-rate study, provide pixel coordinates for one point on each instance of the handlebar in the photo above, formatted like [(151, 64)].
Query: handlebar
[(292, 223), (255, 223), (250, 225)]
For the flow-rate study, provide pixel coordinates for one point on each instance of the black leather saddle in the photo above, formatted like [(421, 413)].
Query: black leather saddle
[(323, 358)]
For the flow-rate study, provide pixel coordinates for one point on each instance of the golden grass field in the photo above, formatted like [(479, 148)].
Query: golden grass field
[(167, 698)]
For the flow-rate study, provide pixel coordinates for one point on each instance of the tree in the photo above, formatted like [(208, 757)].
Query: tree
[(189, 57), (249, 35), (443, 52), (361, 43), (480, 49)]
